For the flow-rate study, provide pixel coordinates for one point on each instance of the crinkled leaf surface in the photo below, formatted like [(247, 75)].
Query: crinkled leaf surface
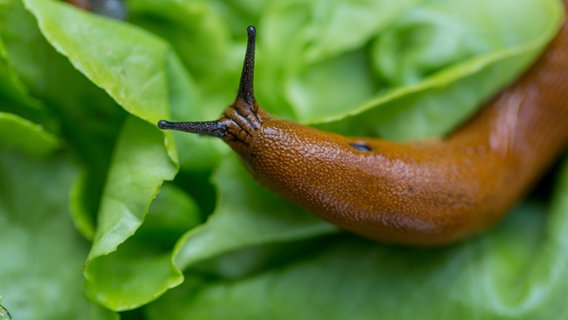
[(139, 166), (432, 100), (131, 67), (314, 53), (136, 64), (41, 254), (142, 268), (77, 109), (516, 270), (246, 215)]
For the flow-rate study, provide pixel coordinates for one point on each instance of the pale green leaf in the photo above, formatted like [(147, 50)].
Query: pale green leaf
[(139, 166)]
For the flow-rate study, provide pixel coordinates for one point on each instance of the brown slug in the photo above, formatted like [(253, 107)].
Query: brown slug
[(419, 193)]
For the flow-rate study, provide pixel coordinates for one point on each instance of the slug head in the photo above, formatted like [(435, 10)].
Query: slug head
[(240, 121)]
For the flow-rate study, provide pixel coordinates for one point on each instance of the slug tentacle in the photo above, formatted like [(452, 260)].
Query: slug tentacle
[(240, 120), (246, 86), (207, 128)]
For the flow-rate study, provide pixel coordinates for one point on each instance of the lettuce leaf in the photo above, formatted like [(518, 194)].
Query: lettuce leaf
[(41, 252), (25, 135), (515, 271)]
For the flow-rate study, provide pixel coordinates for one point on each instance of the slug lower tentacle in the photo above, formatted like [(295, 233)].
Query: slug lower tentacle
[(421, 193)]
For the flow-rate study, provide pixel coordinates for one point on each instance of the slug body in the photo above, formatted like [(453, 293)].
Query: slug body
[(420, 193)]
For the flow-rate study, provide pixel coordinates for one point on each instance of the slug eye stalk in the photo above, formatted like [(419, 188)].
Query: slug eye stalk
[(245, 100), (206, 128)]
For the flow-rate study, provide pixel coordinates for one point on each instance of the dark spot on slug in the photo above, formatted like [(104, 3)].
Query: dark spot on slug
[(361, 146)]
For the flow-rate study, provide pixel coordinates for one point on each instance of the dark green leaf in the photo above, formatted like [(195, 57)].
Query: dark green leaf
[(41, 254), (26, 136)]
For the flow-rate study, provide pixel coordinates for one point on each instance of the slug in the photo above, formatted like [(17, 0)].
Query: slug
[(420, 193)]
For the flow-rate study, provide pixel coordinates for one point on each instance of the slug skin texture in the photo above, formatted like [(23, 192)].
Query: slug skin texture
[(420, 193)]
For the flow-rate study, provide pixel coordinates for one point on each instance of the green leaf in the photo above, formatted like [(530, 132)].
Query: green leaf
[(125, 61), (139, 166), (81, 113), (198, 89), (185, 103), (195, 30), (171, 214), (124, 281), (246, 215), (92, 46), (442, 99), (4, 314), (142, 268), (40, 252), (514, 271), (311, 54), (25, 135), (14, 97)]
